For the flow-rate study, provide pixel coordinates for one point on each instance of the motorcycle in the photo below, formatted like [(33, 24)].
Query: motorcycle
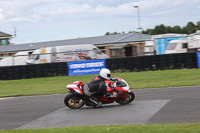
[(119, 89)]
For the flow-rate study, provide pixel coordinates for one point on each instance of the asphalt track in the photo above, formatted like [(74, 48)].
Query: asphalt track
[(163, 105)]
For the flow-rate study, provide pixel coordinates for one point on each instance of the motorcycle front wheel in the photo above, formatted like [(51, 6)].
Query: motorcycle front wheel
[(129, 98), (74, 101)]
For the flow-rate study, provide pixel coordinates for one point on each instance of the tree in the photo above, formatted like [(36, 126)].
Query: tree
[(160, 29), (107, 33), (190, 28), (198, 25), (169, 29), (148, 31), (177, 29), (113, 33)]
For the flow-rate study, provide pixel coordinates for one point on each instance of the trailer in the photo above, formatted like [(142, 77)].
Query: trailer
[(189, 44), (18, 59), (158, 43)]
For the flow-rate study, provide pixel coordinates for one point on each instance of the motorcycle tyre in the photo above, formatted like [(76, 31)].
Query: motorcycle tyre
[(71, 97), (123, 102)]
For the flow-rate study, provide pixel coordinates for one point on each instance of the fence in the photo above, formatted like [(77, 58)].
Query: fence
[(33, 71), (154, 62), (141, 63)]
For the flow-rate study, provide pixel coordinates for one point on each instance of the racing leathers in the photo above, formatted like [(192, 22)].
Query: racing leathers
[(95, 87)]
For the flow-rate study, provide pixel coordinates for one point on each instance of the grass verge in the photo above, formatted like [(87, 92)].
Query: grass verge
[(136, 80), (157, 128)]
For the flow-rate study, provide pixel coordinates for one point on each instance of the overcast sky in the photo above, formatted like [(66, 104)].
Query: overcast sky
[(47, 20)]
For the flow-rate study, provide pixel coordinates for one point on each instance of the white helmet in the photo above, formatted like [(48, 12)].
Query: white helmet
[(105, 73)]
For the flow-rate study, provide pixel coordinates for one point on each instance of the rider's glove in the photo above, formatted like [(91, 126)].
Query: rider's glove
[(114, 79)]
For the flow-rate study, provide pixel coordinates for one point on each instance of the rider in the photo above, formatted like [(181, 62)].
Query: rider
[(97, 86)]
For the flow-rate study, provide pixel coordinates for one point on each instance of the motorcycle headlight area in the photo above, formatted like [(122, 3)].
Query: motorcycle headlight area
[(73, 88)]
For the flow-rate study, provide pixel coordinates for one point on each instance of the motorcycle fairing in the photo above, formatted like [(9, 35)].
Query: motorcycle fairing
[(76, 87)]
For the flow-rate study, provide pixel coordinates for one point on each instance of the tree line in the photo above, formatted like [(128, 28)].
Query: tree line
[(162, 29)]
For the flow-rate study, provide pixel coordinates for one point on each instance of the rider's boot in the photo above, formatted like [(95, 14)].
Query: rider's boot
[(93, 101)]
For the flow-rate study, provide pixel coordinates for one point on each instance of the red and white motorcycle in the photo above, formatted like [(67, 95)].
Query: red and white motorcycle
[(120, 90)]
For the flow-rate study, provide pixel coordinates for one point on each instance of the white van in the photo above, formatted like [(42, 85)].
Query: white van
[(66, 54), (18, 59)]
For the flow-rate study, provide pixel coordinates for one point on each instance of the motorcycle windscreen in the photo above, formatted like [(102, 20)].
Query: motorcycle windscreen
[(125, 85)]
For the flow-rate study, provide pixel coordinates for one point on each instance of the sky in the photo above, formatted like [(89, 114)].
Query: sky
[(50, 20)]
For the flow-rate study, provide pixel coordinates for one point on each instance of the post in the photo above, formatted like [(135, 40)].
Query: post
[(139, 29)]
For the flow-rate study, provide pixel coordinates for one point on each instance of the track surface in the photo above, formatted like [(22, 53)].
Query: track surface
[(163, 105)]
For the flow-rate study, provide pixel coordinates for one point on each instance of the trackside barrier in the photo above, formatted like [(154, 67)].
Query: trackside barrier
[(140, 63), (198, 59), (33, 71), (154, 62)]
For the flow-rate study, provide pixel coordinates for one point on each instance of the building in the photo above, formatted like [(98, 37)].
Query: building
[(130, 44), (4, 38)]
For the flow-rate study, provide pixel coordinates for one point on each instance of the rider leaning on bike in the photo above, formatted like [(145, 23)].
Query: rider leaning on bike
[(97, 86)]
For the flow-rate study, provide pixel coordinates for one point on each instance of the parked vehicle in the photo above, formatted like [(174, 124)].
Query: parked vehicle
[(18, 59), (66, 54), (190, 44), (177, 46), (162, 41), (119, 89)]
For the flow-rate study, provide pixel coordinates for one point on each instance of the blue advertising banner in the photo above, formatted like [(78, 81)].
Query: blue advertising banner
[(85, 67), (198, 59)]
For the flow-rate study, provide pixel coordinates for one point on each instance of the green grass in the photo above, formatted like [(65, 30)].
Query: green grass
[(167, 128), (136, 80)]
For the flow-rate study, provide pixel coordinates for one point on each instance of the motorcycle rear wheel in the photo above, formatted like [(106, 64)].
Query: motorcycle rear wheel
[(129, 98), (74, 101)]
